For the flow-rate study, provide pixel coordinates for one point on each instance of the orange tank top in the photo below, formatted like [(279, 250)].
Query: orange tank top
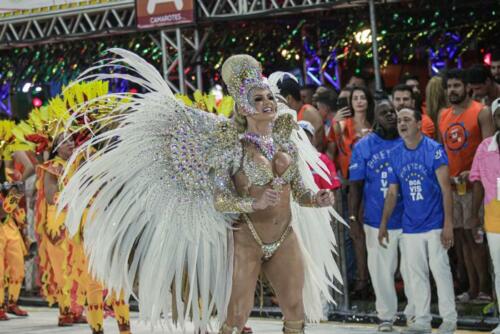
[(461, 136), (300, 114)]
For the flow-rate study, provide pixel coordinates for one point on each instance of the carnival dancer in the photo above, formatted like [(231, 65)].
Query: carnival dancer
[(90, 291), (12, 225), (42, 131), (187, 194)]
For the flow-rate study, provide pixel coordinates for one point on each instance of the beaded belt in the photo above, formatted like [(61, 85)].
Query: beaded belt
[(269, 248)]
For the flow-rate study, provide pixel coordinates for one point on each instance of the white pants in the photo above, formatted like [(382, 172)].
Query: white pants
[(382, 265), (494, 245), (424, 250)]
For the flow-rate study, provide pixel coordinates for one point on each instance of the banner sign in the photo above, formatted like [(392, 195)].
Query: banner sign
[(157, 13)]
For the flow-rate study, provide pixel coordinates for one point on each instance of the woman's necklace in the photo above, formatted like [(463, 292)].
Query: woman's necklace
[(265, 144)]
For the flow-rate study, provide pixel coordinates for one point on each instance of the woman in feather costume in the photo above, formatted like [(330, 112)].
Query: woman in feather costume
[(190, 195)]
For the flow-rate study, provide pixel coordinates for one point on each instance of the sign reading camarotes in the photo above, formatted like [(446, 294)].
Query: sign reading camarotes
[(155, 13)]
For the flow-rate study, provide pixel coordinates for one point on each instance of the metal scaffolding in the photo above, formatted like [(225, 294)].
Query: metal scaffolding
[(181, 46)]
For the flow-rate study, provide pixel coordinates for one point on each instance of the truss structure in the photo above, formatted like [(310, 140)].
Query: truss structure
[(181, 58), (74, 23), (235, 9), (181, 46)]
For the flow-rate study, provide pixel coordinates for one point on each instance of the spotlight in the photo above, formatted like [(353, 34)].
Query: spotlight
[(37, 102), (26, 87)]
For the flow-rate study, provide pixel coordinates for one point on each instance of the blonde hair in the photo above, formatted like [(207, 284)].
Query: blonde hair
[(435, 98)]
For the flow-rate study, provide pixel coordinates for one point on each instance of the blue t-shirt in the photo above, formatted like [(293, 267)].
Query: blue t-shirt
[(369, 162), (415, 172)]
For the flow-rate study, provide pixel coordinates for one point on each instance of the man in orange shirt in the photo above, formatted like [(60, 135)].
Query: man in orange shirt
[(404, 97), (462, 127)]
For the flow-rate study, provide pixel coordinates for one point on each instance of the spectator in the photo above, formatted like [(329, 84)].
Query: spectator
[(435, 98), (483, 86), (307, 92), (462, 127), (485, 175), (290, 90), (495, 66), (419, 172), (368, 176), (357, 80), (412, 80), (325, 100), (403, 97), (350, 124)]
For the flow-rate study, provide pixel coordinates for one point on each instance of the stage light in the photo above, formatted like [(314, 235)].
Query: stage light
[(37, 102), (26, 87), (363, 37)]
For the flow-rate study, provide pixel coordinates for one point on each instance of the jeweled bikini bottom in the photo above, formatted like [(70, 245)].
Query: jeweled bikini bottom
[(267, 248)]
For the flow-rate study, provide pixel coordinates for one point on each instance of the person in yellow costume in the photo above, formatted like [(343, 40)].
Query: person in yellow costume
[(12, 223), (89, 288), (54, 248)]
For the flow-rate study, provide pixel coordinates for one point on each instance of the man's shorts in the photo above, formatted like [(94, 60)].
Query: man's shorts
[(462, 210)]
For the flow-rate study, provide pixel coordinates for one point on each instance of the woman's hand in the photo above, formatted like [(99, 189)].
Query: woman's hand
[(342, 114), (324, 198), (269, 198)]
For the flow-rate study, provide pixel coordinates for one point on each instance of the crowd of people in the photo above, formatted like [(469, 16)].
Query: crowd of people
[(416, 176), (413, 170)]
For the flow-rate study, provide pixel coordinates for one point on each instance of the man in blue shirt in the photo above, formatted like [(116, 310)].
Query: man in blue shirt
[(419, 171), (368, 174)]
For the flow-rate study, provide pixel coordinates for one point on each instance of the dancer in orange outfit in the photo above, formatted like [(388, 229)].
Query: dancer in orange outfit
[(88, 288), (12, 224), (54, 243), (12, 251)]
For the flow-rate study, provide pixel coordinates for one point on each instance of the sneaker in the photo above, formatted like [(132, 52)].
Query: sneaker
[(247, 330), (385, 327), (496, 330), (3, 315), (14, 309), (447, 328), (463, 298), (416, 328), (482, 298), (410, 320)]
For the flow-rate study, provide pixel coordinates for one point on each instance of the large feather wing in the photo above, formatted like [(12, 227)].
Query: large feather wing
[(148, 196)]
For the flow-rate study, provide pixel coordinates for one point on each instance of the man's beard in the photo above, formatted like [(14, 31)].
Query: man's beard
[(457, 99), (497, 79)]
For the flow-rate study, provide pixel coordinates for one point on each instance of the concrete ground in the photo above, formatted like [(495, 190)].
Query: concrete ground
[(43, 320)]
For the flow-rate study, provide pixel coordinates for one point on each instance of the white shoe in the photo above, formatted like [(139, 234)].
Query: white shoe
[(496, 330), (447, 328), (385, 327), (410, 320), (416, 328)]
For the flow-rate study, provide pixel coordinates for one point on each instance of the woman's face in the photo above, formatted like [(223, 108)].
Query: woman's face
[(359, 102), (264, 103)]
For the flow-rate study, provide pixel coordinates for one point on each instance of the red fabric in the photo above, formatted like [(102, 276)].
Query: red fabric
[(300, 114), (334, 181)]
